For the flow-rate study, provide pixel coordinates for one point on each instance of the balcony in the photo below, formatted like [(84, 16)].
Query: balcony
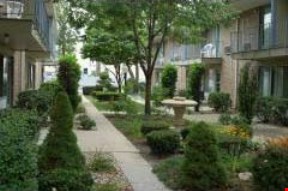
[(211, 53), (262, 42), (244, 5), (27, 24)]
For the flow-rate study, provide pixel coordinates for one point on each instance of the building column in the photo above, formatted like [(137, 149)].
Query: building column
[(19, 73), (38, 74)]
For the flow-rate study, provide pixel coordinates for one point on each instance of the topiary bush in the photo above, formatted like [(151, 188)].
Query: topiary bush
[(18, 153), (163, 141), (158, 95), (68, 77), (247, 93), (168, 79), (270, 167), (220, 101), (152, 125), (202, 168), (87, 90), (51, 88), (59, 155), (195, 73)]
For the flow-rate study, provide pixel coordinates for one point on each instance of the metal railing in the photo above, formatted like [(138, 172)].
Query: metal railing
[(42, 22), (29, 9), (262, 37)]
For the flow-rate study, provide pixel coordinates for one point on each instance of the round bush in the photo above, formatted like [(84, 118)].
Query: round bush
[(270, 169), (163, 141), (202, 169), (149, 126), (219, 101)]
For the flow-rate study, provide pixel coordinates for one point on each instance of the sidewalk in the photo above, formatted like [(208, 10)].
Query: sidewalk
[(108, 139)]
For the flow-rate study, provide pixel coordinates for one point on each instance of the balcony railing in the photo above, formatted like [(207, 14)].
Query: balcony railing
[(11, 9), (34, 10), (42, 22), (262, 37)]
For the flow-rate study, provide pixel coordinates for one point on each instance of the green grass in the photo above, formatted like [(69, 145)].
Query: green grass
[(169, 171)]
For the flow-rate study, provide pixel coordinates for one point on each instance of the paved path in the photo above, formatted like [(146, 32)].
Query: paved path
[(108, 139)]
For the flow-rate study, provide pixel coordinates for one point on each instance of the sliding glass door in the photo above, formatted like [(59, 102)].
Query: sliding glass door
[(6, 65)]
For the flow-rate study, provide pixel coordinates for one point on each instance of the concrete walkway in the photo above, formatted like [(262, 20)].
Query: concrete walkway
[(108, 139)]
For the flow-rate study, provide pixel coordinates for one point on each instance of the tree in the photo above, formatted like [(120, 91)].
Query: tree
[(169, 78), (108, 48), (67, 36), (195, 75), (150, 22), (247, 92)]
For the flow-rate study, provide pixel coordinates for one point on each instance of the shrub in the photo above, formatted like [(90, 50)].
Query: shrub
[(51, 88), (219, 101), (163, 141), (273, 110), (152, 125), (18, 153), (247, 93), (107, 96), (158, 95), (195, 73), (105, 80), (225, 119), (202, 169), (61, 164), (35, 100), (168, 79), (101, 162), (87, 90), (270, 167), (85, 122), (81, 109), (68, 76)]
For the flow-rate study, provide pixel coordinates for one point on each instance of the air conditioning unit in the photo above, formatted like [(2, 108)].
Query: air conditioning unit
[(247, 47), (11, 9), (228, 50)]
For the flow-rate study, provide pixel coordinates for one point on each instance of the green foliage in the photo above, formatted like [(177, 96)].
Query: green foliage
[(26, 119), (35, 100), (87, 90), (273, 110), (169, 171), (68, 77), (81, 109), (51, 88), (18, 154), (219, 101), (195, 74), (270, 169), (61, 163), (105, 80), (101, 162), (247, 93), (168, 79), (158, 95), (163, 141), (202, 168), (107, 96), (106, 187), (85, 122), (153, 125)]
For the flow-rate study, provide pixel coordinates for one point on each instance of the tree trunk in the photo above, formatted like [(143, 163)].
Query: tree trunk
[(137, 77), (148, 94)]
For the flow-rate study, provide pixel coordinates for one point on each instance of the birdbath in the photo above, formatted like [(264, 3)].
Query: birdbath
[(179, 105)]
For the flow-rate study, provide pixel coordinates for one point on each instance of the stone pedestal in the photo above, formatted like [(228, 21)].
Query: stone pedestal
[(178, 116)]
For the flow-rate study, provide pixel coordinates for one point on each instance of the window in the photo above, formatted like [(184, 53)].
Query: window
[(265, 27), (5, 81), (30, 76), (273, 81)]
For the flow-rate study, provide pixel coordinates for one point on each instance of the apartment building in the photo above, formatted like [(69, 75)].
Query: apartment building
[(259, 37), (27, 43)]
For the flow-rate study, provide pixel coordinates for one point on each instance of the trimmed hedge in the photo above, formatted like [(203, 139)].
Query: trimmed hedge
[(220, 101), (163, 141), (149, 126), (18, 153), (87, 90), (107, 96)]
